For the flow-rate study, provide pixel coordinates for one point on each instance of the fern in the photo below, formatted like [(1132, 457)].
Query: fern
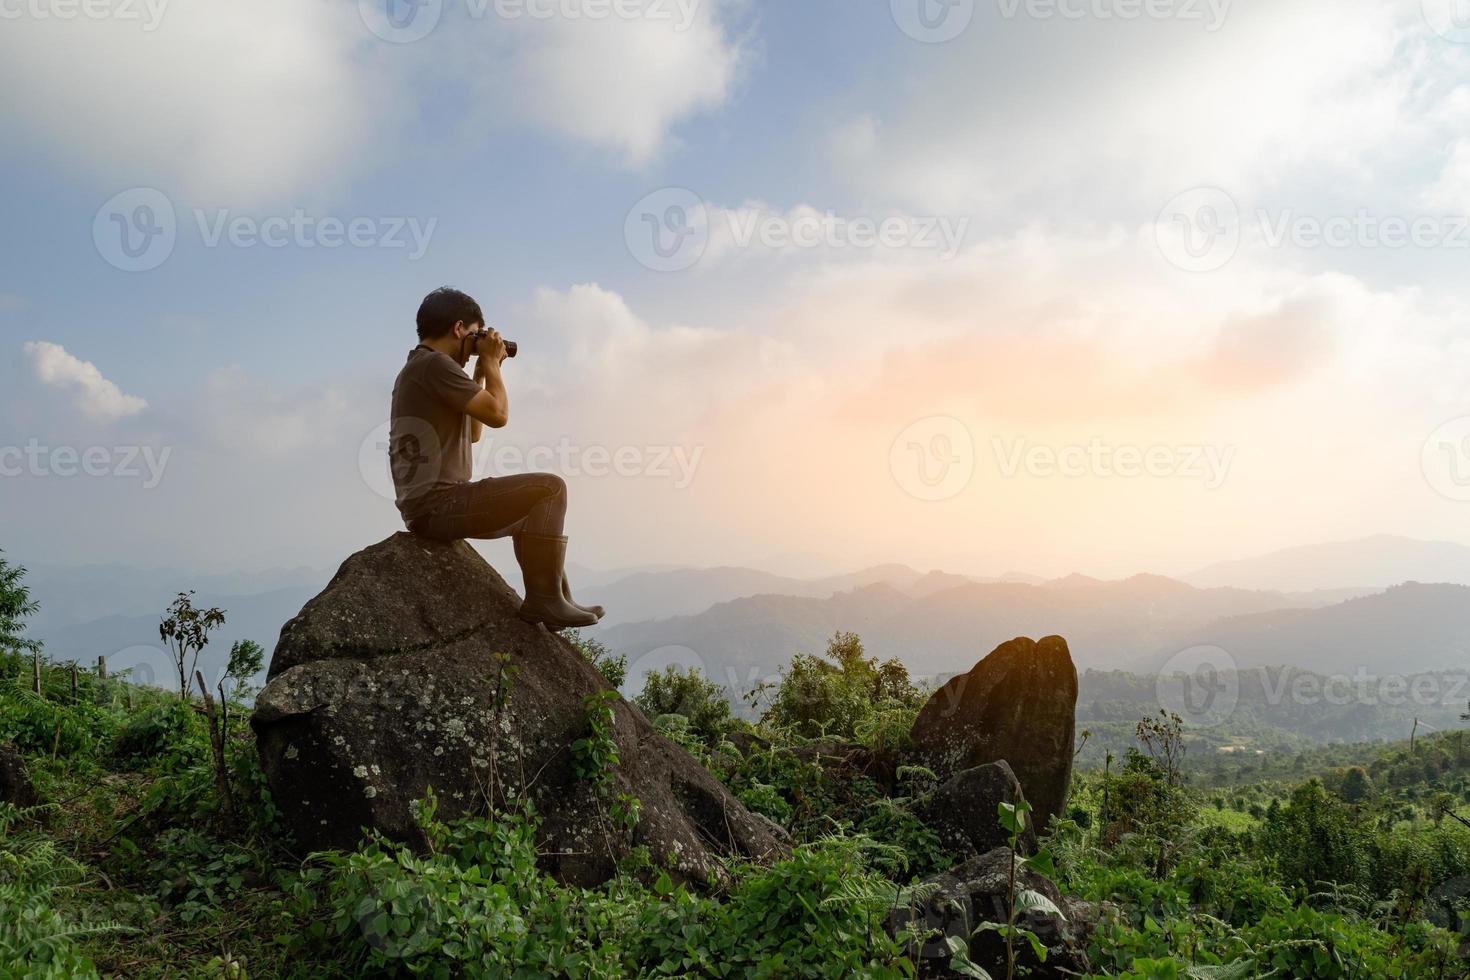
[(1245, 969), (36, 880)]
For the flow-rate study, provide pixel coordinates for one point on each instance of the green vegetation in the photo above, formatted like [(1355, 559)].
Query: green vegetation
[(157, 853), (846, 696), (1283, 723)]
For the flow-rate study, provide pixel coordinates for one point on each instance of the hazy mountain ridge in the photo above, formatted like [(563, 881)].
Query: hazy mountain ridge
[(1379, 561), (685, 591), (936, 621), (1106, 623), (1410, 628)]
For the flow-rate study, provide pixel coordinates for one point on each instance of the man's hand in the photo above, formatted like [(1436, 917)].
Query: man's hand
[(490, 348), (490, 407)]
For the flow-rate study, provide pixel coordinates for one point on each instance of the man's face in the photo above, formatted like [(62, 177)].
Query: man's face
[(462, 333), (463, 329)]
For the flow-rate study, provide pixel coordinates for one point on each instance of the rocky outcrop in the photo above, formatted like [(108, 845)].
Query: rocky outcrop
[(979, 890), (16, 787), (411, 670), (1018, 705), (964, 811)]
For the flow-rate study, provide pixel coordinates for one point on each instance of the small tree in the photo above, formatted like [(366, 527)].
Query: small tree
[(246, 659), (1356, 785), (15, 605), (1163, 737), (186, 631)]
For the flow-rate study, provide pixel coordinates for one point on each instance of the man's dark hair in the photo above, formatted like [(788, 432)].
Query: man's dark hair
[(445, 307)]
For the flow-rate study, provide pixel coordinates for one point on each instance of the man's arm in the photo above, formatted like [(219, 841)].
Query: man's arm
[(491, 406)]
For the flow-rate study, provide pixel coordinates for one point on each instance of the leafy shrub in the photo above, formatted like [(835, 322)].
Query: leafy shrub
[(1316, 837), (195, 874), (847, 695), (820, 913), (677, 691), (167, 738), (39, 725)]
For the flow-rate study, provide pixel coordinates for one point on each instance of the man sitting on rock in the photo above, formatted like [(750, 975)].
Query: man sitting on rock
[(437, 413)]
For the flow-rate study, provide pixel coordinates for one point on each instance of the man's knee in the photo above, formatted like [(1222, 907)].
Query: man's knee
[(555, 485)]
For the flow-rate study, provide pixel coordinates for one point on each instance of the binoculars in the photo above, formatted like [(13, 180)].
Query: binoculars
[(510, 345)]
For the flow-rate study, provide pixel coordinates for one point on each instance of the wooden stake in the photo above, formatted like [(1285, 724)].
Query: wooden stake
[(102, 667), (217, 743), (36, 672), (73, 681)]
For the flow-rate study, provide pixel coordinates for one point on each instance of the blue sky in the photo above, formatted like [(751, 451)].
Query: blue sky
[(1059, 145)]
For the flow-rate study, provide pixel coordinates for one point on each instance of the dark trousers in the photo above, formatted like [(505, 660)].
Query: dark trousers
[(526, 503)]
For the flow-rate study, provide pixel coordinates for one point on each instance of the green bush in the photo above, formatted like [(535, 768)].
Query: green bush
[(1317, 838), (168, 737), (846, 695), (677, 691), (41, 726)]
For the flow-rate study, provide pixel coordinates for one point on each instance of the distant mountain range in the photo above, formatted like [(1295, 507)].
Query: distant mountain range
[(1409, 629), (685, 591), (1107, 624), (1324, 613), (1376, 562)]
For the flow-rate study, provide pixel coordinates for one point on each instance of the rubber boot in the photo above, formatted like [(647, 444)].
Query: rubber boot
[(542, 557), (566, 587)]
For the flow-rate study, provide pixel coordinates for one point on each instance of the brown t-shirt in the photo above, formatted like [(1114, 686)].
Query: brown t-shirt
[(429, 436)]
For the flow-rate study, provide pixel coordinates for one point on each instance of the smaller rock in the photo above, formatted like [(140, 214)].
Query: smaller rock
[(976, 891), (964, 811), (747, 742), (16, 787), (849, 759)]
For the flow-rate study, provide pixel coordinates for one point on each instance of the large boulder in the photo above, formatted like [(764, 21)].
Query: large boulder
[(16, 787), (964, 811), (411, 670), (1018, 704), (950, 905)]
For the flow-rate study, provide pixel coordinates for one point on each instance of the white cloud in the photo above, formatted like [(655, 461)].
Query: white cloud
[(227, 102), (95, 395), (241, 105), (1451, 190), (1088, 119), (621, 85)]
